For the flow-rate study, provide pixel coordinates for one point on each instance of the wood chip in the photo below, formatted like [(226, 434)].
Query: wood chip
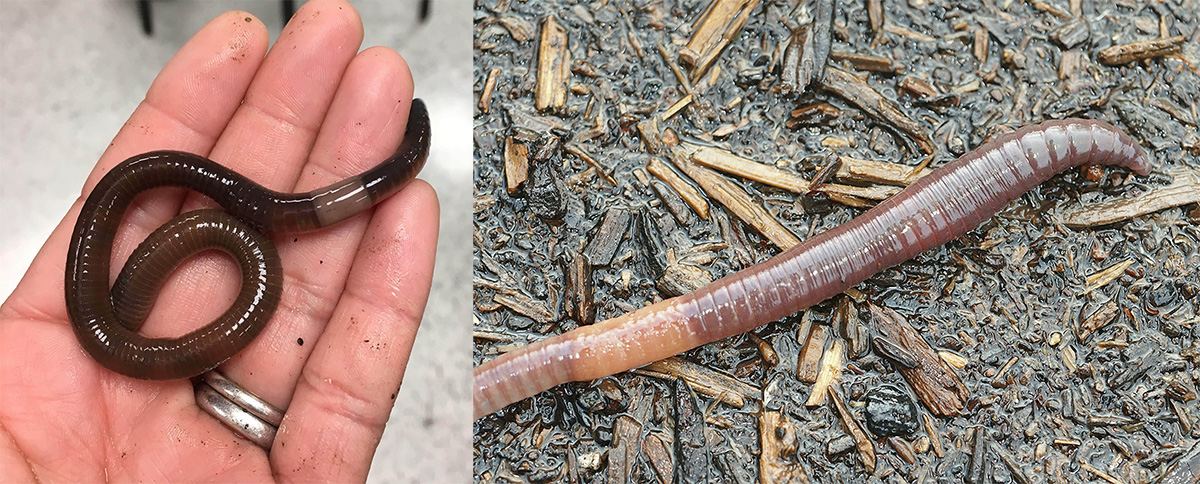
[(898, 355), (651, 136), (980, 46), (830, 373), (727, 162), (715, 29), (1185, 421), (679, 279), (579, 304), (485, 99), (679, 75), (875, 14), (673, 201), (808, 365), (517, 27), (1071, 34), (724, 130), (703, 379), (554, 66), (659, 455), (1146, 49), (689, 193), (490, 335), (1183, 190), (1014, 467), (867, 62), (953, 359), (881, 172), (545, 189), (769, 357), (1099, 319), (622, 458), (528, 306), (866, 449), (934, 381), (837, 142), (1102, 278), (523, 118), (861, 94), (1051, 9), (777, 435), (516, 165), (812, 115), (799, 47), (1069, 65), (977, 464), (736, 200), (916, 87), (903, 448), (679, 105), (935, 437), (807, 50), (691, 447), (577, 150), (603, 244), (822, 38), (1099, 473), (892, 27)]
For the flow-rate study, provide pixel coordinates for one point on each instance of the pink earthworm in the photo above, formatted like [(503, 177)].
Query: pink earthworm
[(935, 209)]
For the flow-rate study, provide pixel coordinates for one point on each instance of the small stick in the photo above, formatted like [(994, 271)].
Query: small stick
[(831, 372), (866, 450), (1184, 190), (554, 64), (485, 99), (689, 193), (719, 25), (763, 173), (678, 106), (739, 203), (679, 75), (860, 93), (1126, 53), (516, 164)]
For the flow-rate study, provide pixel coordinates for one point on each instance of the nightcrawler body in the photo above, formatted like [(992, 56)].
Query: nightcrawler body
[(106, 326), (932, 211)]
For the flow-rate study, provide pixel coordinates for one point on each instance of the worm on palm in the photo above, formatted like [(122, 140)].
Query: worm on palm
[(106, 325)]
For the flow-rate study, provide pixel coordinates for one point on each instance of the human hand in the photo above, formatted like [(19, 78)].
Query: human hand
[(309, 113)]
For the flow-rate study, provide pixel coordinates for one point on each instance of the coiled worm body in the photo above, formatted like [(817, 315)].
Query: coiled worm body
[(932, 211), (106, 327)]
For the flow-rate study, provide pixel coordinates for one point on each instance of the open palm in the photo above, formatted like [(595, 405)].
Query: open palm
[(312, 111)]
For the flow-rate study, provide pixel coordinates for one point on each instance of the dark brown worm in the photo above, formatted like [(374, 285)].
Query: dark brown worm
[(107, 326), (936, 209)]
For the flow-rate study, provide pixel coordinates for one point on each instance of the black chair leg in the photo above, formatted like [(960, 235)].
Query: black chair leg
[(144, 12), (289, 9)]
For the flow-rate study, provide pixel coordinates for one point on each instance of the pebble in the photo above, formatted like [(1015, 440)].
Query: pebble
[(890, 411)]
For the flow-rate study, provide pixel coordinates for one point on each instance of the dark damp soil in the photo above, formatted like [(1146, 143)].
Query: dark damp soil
[(1067, 382)]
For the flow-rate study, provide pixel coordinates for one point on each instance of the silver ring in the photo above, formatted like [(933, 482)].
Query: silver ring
[(225, 407), (244, 398)]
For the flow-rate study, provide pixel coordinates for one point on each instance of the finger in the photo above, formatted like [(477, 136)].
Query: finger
[(187, 106), (364, 125), (348, 387), (267, 140)]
